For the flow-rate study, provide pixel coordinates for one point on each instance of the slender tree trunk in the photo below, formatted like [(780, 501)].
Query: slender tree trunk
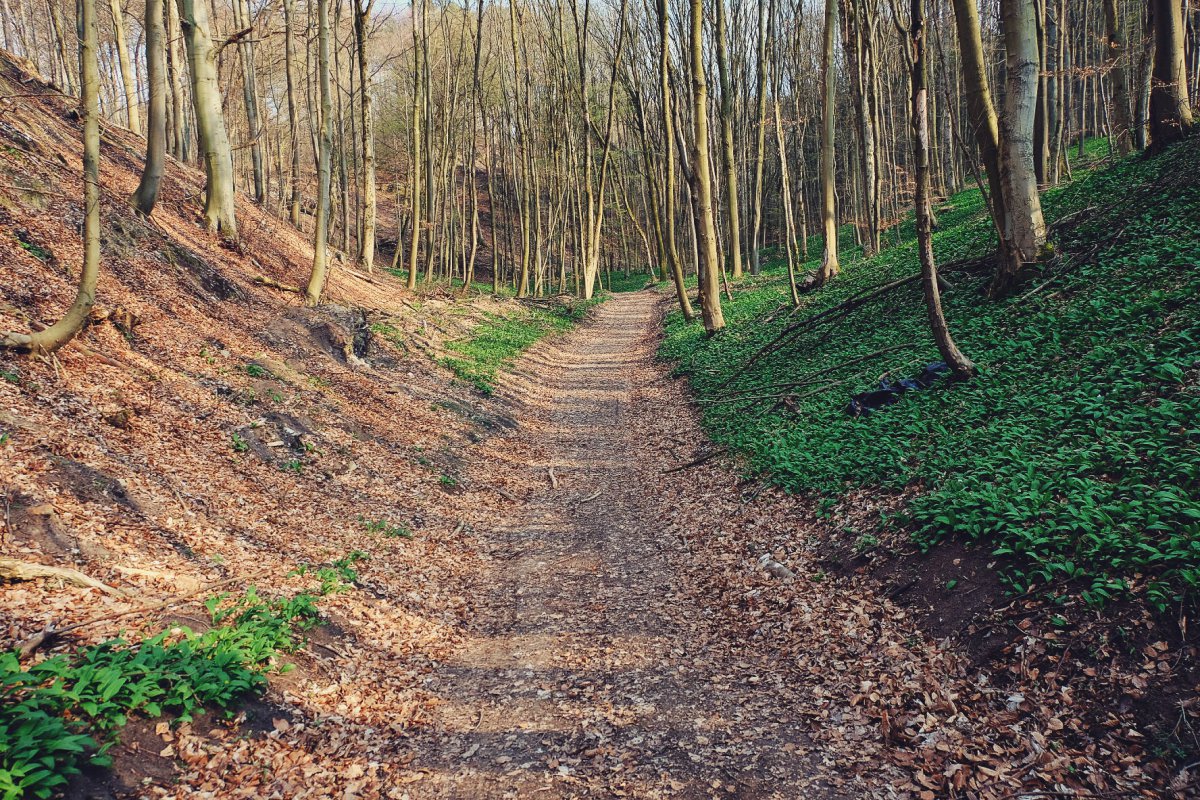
[(954, 358), (316, 283), (362, 21), (829, 263), (289, 68), (242, 19), (706, 229), (760, 139), (220, 213), (1026, 231), (71, 323), (132, 117), (415, 199), (1170, 110), (732, 200), (156, 116), (180, 145)]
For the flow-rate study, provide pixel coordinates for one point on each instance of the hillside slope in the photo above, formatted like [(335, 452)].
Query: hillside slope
[(209, 433), (1045, 515)]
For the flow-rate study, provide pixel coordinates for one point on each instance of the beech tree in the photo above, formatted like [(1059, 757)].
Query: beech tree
[(146, 194), (1170, 108), (45, 342)]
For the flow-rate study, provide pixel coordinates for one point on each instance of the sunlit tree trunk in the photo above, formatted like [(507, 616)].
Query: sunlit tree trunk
[(316, 283), (289, 68), (706, 229), (1026, 230), (71, 323), (760, 139), (668, 143), (132, 117), (829, 262), (415, 198), (220, 213), (156, 115)]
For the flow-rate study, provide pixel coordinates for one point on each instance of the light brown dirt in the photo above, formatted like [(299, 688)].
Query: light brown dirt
[(590, 669)]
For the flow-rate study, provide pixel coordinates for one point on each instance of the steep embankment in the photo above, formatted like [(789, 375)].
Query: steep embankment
[(207, 433), (1057, 493)]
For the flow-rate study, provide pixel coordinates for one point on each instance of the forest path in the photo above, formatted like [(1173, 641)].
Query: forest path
[(590, 670)]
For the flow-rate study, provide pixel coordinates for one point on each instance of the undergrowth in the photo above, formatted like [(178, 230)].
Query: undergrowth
[(499, 339), (1076, 450), (66, 711)]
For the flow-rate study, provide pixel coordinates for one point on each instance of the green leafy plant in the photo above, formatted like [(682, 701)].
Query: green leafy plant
[(63, 712), (256, 370), (240, 445), (1072, 455), (387, 529)]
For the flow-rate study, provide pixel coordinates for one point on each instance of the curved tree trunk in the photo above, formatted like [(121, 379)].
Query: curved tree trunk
[(316, 282), (220, 213), (954, 358), (156, 116), (63, 331)]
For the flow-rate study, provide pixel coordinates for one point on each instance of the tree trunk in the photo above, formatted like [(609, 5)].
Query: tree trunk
[(1118, 70), (220, 213), (132, 117), (60, 333), (180, 145), (829, 262), (760, 143), (362, 19), (1026, 230), (241, 15), (954, 358), (1170, 110), (415, 199), (732, 200), (706, 229), (669, 195), (156, 115), (316, 283), (980, 109)]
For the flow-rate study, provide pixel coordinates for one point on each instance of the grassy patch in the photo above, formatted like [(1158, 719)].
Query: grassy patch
[(1076, 452), (496, 342)]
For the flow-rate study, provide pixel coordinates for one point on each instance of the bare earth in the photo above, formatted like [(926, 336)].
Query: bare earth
[(590, 670)]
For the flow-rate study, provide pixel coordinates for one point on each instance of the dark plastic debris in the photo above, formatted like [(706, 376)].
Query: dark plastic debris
[(889, 391)]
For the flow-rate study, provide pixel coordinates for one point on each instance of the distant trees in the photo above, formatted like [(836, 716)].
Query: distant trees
[(544, 145)]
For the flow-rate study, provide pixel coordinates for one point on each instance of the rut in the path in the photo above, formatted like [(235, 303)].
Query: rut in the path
[(590, 671)]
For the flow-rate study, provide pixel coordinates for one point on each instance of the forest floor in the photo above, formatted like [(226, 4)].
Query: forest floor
[(591, 667)]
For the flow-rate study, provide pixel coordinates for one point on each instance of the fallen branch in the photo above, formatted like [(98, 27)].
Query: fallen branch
[(13, 570), (553, 478), (590, 497), (695, 462), (50, 633), (507, 495), (263, 280)]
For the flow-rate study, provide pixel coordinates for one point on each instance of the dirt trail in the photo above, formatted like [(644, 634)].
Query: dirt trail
[(590, 671)]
